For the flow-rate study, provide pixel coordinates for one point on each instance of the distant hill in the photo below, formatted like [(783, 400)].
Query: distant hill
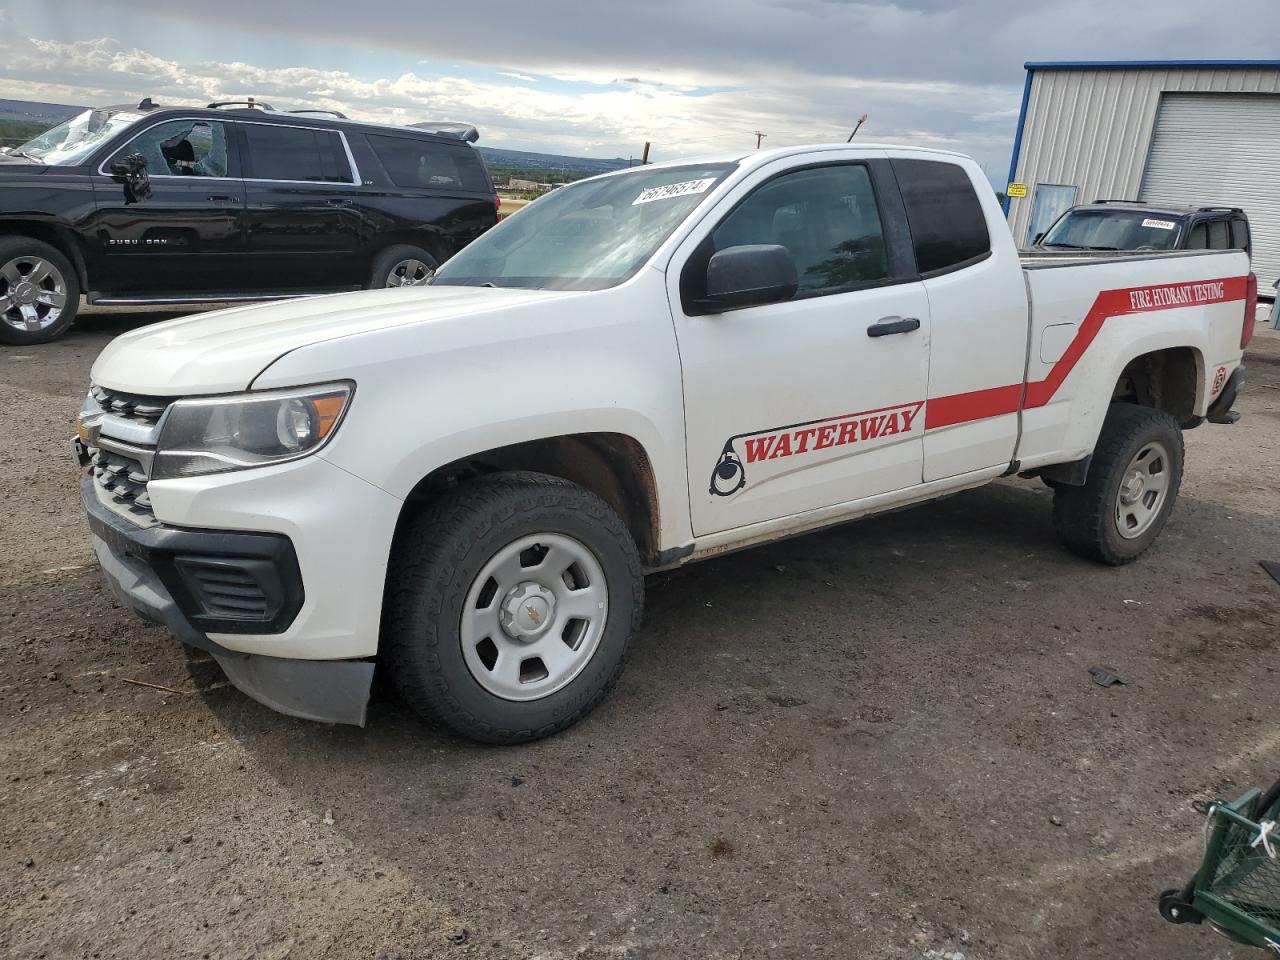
[(51, 113), (54, 113), (547, 161)]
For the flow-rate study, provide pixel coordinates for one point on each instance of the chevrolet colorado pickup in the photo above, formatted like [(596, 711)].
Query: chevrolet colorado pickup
[(466, 482)]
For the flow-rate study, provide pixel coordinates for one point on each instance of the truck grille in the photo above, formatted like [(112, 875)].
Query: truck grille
[(121, 482), (120, 459), (130, 406)]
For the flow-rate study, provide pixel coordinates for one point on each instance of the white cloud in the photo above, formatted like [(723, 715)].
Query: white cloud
[(613, 117)]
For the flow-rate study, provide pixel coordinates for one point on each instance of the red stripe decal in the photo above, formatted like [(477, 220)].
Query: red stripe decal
[(996, 401)]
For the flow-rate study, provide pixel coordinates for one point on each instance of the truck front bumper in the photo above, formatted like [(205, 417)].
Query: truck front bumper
[(196, 582)]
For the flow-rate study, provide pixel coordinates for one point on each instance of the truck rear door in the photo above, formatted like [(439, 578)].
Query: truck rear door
[(815, 401), (978, 305), (305, 226)]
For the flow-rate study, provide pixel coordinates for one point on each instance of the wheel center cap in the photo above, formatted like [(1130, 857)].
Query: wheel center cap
[(25, 292), (527, 611), (1134, 487)]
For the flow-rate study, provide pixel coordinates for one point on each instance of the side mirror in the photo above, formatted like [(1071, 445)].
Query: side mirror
[(132, 172), (749, 275)]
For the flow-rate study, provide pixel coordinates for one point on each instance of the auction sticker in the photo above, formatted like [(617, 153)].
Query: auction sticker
[(682, 189), (1159, 224)]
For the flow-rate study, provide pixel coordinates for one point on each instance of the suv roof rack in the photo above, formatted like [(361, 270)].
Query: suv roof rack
[(463, 131), (251, 103), (327, 113)]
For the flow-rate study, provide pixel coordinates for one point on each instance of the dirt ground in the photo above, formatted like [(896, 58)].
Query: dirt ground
[(878, 741)]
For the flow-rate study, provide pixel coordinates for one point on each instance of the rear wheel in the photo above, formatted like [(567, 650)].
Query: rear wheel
[(510, 605), (1133, 482), (39, 292), (402, 265)]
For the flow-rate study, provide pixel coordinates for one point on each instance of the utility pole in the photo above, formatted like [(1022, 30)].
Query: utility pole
[(759, 136), (861, 120)]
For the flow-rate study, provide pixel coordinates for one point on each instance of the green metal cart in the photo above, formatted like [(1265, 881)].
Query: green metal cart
[(1237, 888)]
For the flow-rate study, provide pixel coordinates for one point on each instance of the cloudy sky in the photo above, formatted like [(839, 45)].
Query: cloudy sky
[(599, 79)]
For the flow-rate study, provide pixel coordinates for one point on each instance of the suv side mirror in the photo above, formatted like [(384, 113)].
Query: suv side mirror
[(132, 172), (749, 275)]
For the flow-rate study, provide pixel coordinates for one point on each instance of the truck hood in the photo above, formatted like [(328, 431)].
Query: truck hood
[(223, 351)]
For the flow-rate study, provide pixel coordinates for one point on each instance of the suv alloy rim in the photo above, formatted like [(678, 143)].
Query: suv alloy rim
[(534, 616), (33, 293), (1143, 490), (409, 273)]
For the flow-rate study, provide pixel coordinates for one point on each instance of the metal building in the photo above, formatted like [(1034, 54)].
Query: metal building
[(1201, 132)]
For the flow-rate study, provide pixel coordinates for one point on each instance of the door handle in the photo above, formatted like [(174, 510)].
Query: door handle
[(223, 199), (886, 326), (339, 202)]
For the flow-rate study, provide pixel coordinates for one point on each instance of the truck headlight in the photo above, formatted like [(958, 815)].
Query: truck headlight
[(217, 434)]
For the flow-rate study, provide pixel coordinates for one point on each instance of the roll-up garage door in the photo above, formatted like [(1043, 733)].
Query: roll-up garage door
[(1222, 149)]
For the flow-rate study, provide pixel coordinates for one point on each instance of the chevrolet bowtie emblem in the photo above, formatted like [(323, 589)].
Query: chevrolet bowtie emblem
[(534, 615)]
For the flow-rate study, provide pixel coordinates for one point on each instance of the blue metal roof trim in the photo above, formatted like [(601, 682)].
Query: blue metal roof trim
[(1148, 64), (1017, 140)]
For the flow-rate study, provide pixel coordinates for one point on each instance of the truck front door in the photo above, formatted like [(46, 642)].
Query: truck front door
[(816, 401), (186, 238)]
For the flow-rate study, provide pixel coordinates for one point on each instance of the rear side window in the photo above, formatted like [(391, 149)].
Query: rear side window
[(1219, 235), (948, 226), (1199, 238), (1240, 234), (429, 166), (296, 153)]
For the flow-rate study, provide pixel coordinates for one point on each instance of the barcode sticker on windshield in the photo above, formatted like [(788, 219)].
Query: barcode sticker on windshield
[(1159, 224), (683, 189)]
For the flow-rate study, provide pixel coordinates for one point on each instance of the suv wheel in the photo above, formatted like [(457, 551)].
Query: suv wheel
[(39, 292), (510, 604), (1132, 485), (402, 265)]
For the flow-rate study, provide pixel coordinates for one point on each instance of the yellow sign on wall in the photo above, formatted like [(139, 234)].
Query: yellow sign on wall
[(1016, 190)]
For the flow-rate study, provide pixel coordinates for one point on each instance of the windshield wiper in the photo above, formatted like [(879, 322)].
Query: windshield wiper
[(1069, 246)]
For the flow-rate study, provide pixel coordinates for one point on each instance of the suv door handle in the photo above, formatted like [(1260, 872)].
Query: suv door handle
[(886, 326), (221, 198), (339, 201)]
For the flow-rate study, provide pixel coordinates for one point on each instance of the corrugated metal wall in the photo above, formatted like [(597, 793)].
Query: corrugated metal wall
[(1092, 128)]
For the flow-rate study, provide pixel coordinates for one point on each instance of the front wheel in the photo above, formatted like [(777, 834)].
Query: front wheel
[(1133, 482), (510, 604), (39, 292)]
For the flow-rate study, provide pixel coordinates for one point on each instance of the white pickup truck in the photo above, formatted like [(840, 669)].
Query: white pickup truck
[(467, 482)]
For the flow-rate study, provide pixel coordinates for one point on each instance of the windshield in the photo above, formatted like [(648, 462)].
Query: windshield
[(585, 236), (71, 141), (1114, 230)]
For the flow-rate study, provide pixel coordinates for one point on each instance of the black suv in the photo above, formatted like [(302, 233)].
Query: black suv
[(1130, 225), (233, 201)]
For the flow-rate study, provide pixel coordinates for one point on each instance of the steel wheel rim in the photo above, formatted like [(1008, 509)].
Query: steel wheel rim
[(410, 273), (33, 293), (1144, 488), (533, 617)]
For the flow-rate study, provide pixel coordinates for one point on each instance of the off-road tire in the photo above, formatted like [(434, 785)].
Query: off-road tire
[(18, 246), (1085, 517), (385, 261), (438, 554)]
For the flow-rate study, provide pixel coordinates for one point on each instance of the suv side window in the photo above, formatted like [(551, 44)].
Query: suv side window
[(828, 220), (1199, 238), (948, 225), (180, 148), (1219, 235), (427, 165), (279, 152)]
